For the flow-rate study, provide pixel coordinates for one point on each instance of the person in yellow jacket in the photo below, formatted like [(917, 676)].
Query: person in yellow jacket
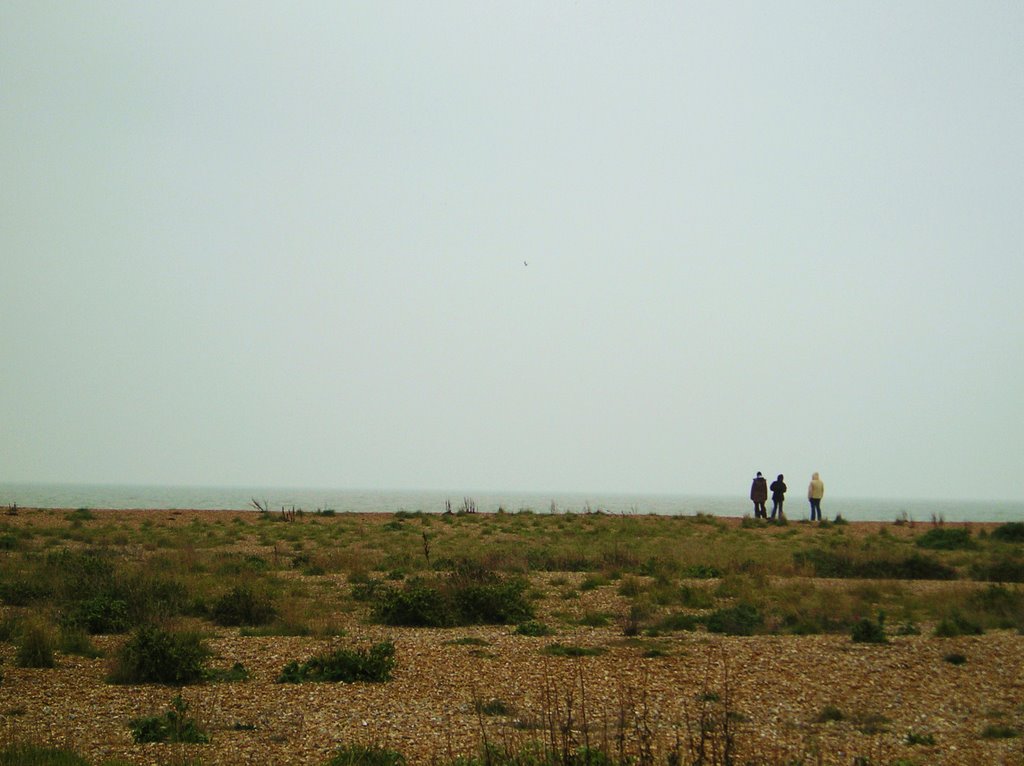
[(815, 491)]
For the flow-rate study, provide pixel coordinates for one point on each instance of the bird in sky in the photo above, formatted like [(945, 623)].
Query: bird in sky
[(525, 263)]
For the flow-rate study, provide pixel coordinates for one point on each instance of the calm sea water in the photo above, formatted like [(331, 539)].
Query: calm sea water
[(376, 501)]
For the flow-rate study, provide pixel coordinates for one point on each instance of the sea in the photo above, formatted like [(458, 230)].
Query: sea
[(96, 496)]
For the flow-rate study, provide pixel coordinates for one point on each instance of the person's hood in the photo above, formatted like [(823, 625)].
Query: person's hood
[(815, 476)]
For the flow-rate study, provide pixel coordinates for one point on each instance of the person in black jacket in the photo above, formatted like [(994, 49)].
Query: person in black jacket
[(759, 494), (778, 489)]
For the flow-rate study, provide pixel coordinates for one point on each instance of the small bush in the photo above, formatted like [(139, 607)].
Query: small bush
[(172, 726), (1013, 532), (956, 624), (696, 597), (908, 628), (592, 582), (242, 606), (946, 539), (844, 564), (702, 572), (533, 628), (417, 604), (36, 647), (493, 706), (344, 665), (920, 738), (631, 587), (829, 713), (361, 755), (24, 754), (739, 620), (1000, 569), (76, 641), (24, 592), (495, 602), (868, 631), (98, 615), (999, 731), (572, 650), (464, 598), (955, 658), (595, 620), (677, 621), (237, 672), (156, 656)]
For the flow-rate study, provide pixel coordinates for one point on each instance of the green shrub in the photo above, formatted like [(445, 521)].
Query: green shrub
[(237, 672), (344, 665), (592, 582), (868, 631), (956, 624), (946, 539), (572, 650), (74, 640), (156, 656), (739, 620), (533, 628), (25, 592), (631, 587), (702, 572), (492, 706), (955, 658), (678, 621), (172, 726), (364, 588), (24, 754), (1013, 532), (1000, 569), (242, 606), (36, 646), (362, 755), (845, 564), (10, 627), (908, 628), (997, 606), (696, 597), (999, 731), (480, 598), (830, 713), (152, 598), (595, 620), (495, 602), (98, 615), (920, 738), (81, 574), (416, 604)]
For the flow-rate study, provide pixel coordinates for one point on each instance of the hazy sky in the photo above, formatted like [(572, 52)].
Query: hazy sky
[(284, 244)]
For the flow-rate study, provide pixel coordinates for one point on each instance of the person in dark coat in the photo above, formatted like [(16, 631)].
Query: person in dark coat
[(778, 489), (759, 494)]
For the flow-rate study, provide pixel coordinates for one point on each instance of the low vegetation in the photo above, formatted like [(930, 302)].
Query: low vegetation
[(373, 665), (175, 725), (147, 602)]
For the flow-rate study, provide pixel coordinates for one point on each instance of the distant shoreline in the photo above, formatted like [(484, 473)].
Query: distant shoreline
[(311, 499), (860, 525)]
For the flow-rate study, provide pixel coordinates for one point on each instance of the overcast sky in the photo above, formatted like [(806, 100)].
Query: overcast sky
[(636, 247)]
